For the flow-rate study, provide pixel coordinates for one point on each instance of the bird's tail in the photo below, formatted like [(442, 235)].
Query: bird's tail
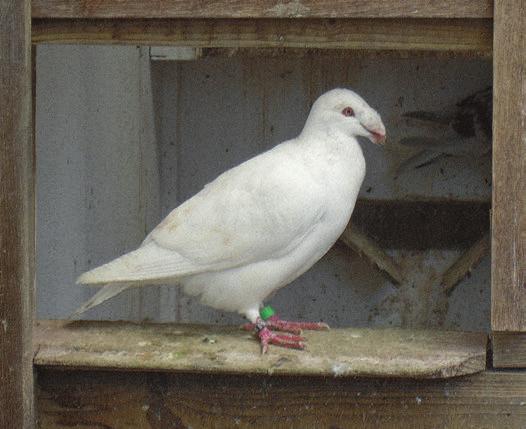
[(105, 293)]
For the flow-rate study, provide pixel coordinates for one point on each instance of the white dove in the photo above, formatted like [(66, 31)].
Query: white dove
[(259, 225)]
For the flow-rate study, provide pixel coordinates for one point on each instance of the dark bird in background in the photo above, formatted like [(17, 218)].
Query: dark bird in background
[(460, 130)]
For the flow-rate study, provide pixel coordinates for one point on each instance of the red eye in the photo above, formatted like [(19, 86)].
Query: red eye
[(348, 111)]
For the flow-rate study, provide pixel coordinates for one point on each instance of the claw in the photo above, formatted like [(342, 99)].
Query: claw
[(267, 337), (291, 340), (296, 327)]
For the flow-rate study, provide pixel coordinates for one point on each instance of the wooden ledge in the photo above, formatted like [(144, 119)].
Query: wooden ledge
[(213, 349), (261, 9)]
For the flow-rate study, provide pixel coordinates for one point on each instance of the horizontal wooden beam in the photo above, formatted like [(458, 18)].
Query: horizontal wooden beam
[(509, 349), (151, 400), (380, 34), (262, 9), (422, 225), (205, 349)]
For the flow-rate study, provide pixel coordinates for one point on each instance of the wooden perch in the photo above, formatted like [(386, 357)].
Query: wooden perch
[(359, 242), (346, 352), (465, 263)]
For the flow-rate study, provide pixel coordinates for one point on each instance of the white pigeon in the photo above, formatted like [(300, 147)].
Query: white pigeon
[(259, 225)]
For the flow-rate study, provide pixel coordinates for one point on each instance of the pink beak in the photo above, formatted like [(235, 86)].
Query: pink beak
[(378, 136)]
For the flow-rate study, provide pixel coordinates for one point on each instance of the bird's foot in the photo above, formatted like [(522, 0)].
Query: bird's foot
[(266, 337), (295, 327), (286, 326), (291, 339)]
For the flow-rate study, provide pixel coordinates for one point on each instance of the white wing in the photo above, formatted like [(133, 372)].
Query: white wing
[(260, 210)]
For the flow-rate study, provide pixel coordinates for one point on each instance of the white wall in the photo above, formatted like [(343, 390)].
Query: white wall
[(106, 174)]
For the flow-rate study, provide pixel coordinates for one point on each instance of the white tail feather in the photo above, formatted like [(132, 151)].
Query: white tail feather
[(146, 264), (102, 295)]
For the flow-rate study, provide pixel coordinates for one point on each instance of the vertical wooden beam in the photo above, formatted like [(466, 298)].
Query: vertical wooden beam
[(16, 216), (509, 167)]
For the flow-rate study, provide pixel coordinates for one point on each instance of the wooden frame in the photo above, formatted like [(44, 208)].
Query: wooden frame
[(92, 9), (509, 168), (159, 400), (462, 25), (17, 214)]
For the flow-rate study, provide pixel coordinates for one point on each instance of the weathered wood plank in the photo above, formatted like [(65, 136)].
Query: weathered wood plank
[(509, 349), (149, 400), (508, 285), (262, 9), (16, 217), (339, 352), (386, 34)]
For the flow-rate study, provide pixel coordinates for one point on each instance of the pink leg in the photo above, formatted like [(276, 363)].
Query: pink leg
[(266, 337), (295, 327), (277, 324), (264, 329)]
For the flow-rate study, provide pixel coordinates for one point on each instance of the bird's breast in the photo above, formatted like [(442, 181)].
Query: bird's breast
[(340, 169)]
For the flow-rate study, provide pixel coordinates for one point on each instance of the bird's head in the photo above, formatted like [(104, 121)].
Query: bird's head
[(345, 111)]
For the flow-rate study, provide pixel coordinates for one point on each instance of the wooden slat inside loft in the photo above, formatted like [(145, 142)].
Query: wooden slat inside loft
[(213, 349), (99, 399), (262, 9), (378, 34), (421, 225)]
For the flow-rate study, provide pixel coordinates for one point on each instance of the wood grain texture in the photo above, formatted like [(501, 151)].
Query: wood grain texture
[(16, 217), (387, 34), (262, 9), (201, 348), (150, 400), (508, 283), (509, 349)]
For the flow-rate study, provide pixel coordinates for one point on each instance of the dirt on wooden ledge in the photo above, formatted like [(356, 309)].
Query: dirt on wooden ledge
[(213, 349)]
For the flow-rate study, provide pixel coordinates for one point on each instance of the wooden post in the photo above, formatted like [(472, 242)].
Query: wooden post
[(509, 167), (16, 216)]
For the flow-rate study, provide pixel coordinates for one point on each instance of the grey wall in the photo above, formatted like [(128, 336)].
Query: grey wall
[(115, 155), (232, 108), (97, 176)]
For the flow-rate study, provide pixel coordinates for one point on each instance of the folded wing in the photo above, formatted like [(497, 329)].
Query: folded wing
[(259, 210)]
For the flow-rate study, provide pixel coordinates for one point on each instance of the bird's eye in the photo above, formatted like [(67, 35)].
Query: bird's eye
[(348, 111)]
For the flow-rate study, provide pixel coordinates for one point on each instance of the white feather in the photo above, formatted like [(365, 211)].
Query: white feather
[(102, 295), (261, 224)]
